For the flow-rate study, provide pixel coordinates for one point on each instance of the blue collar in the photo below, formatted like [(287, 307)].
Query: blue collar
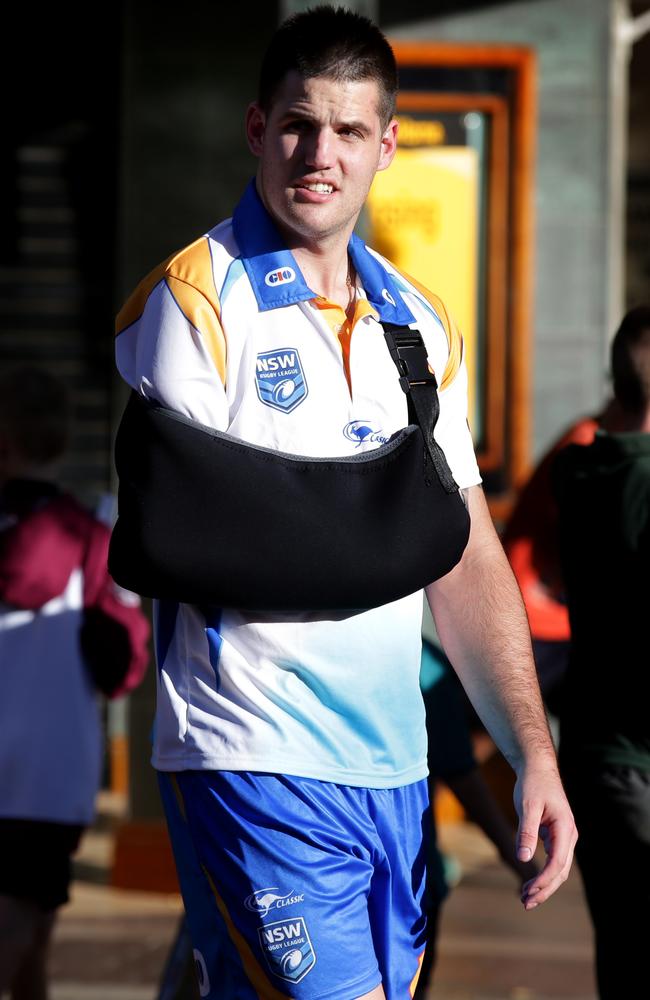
[(278, 281)]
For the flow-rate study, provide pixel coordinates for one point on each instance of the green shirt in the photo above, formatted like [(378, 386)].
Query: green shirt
[(603, 491)]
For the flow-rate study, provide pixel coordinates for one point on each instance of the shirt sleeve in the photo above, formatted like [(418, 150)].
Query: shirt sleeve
[(453, 434), (170, 347)]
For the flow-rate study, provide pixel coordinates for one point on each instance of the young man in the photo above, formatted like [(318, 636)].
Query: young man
[(292, 747), (604, 499)]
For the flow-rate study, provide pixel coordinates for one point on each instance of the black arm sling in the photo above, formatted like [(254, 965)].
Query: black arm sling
[(206, 518)]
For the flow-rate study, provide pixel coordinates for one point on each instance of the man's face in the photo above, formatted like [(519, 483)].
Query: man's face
[(319, 148)]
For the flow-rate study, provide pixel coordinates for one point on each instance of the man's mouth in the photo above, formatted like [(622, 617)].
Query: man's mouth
[(319, 187)]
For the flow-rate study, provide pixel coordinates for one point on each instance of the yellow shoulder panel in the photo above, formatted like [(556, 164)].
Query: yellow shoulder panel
[(200, 312), (454, 336), (190, 279), (134, 306)]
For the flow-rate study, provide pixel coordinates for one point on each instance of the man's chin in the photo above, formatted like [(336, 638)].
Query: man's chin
[(309, 225)]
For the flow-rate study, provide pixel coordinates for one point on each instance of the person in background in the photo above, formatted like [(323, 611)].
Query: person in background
[(603, 492), (530, 543), (451, 760), (66, 632)]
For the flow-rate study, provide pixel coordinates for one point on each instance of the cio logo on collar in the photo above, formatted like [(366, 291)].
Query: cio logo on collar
[(280, 276)]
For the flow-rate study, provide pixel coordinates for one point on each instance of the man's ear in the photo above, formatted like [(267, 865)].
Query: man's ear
[(255, 127), (388, 145)]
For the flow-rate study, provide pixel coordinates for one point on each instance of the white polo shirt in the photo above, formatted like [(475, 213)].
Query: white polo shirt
[(228, 333)]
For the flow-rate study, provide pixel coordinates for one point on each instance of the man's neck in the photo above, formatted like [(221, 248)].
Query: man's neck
[(328, 272)]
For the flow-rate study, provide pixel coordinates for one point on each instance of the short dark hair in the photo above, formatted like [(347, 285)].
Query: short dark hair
[(334, 43), (631, 361), (34, 413)]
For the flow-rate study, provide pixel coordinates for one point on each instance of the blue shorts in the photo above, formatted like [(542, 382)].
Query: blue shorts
[(299, 888)]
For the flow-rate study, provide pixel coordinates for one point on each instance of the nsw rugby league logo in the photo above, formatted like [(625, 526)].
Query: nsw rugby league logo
[(280, 379), (287, 948)]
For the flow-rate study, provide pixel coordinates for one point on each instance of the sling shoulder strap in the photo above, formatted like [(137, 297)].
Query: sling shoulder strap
[(418, 382)]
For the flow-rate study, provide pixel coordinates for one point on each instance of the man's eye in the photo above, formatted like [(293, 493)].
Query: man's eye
[(297, 126)]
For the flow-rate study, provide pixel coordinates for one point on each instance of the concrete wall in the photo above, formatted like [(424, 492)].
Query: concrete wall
[(572, 40)]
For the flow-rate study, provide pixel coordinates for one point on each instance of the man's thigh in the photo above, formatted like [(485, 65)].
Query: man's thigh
[(290, 888)]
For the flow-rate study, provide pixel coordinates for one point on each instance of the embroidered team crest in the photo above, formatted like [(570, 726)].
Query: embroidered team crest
[(280, 379), (287, 948)]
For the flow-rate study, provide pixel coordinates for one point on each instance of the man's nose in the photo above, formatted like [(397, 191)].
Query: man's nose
[(318, 152)]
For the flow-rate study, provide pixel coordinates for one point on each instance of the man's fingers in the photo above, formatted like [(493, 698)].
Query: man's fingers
[(559, 842), (528, 832), (544, 813), (540, 889)]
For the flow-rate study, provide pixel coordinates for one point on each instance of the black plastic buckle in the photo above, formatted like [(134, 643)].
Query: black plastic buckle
[(410, 356)]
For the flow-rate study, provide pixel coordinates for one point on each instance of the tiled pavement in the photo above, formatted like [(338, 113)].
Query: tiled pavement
[(112, 945)]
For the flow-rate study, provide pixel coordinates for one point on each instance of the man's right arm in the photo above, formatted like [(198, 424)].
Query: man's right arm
[(170, 345), (482, 625)]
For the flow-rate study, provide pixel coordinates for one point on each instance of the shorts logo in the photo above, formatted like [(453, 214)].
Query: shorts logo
[(202, 978), (280, 380), (264, 900), (360, 431), (287, 948), (281, 276)]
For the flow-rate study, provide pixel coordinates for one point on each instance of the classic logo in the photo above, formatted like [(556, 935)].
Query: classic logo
[(360, 431), (287, 948), (264, 900), (388, 296), (281, 276), (280, 379), (202, 977)]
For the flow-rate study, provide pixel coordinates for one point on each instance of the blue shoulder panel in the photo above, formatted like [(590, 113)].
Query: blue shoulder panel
[(379, 285)]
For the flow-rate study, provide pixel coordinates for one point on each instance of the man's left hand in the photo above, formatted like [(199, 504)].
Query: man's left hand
[(544, 813)]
